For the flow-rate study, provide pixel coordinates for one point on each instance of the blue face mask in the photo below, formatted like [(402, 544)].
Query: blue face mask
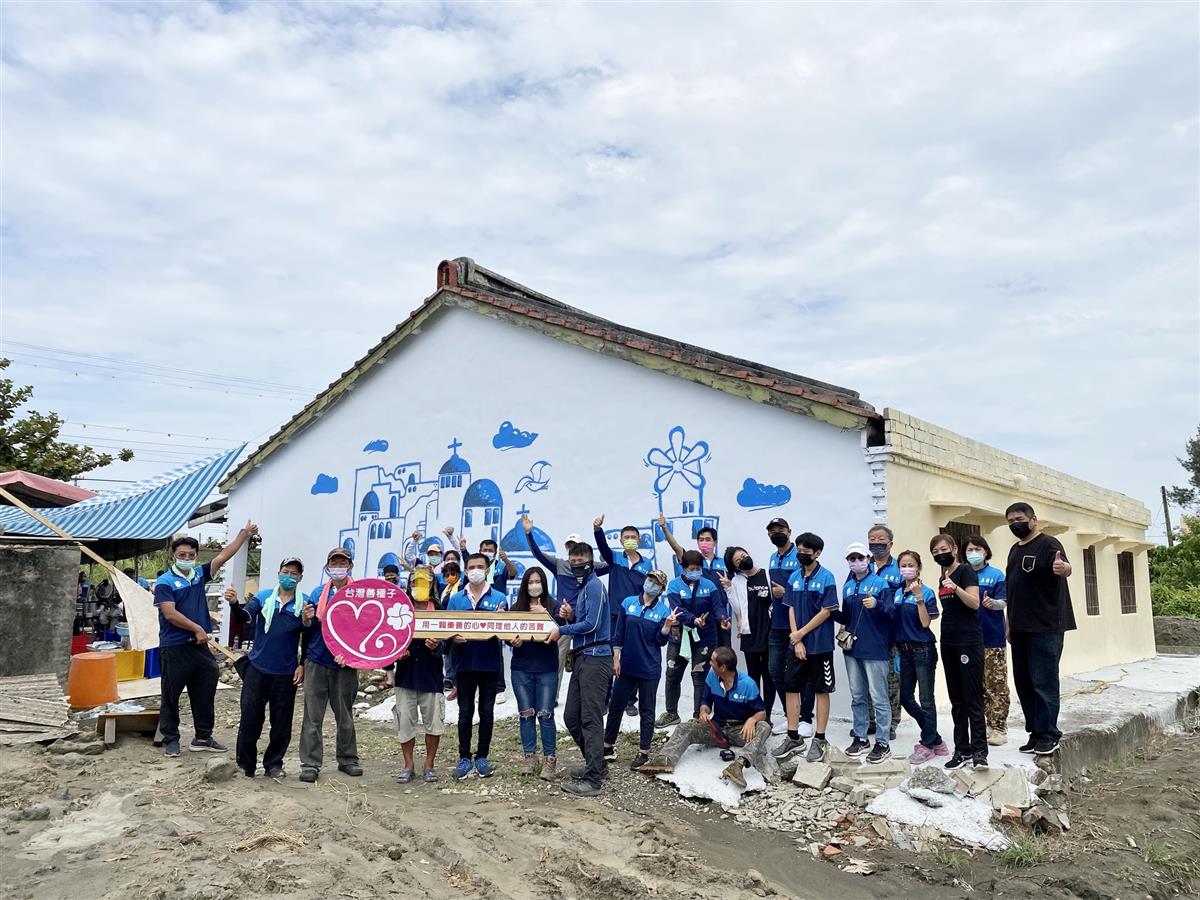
[(652, 589), (691, 574), (288, 582)]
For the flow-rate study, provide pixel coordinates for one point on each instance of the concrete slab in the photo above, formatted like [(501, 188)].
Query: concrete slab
[(1010, 789), (813, 775)]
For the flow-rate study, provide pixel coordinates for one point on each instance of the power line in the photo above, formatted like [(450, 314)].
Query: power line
[(205, 437), (74, 369), (84, 437)]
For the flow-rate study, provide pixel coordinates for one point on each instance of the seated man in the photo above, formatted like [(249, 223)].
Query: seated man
[(731, 714)]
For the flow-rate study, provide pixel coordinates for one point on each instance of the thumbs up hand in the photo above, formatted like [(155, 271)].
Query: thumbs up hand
[(1061, 566)]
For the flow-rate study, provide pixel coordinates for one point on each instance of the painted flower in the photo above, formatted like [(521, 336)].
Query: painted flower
[(399, 617), (678, 459)]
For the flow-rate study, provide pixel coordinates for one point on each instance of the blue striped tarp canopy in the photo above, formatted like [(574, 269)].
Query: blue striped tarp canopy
[(155, 508)]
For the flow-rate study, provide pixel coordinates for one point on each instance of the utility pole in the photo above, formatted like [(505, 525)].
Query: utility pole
[(1167, 518)]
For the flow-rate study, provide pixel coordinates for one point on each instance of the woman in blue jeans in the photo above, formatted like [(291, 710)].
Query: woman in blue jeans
[(916, 607), (535, 678)]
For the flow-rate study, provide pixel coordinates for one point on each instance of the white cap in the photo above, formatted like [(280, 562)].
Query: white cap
[(573, 538), (860, 548)]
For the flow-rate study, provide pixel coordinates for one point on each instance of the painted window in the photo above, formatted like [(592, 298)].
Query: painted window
[(348, 546), (1091, 586), (387, 530), (491, 516), (1125, 581), (395, 507), (468, 518)]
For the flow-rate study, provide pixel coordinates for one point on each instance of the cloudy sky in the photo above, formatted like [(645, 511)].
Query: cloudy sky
[(985, 215)]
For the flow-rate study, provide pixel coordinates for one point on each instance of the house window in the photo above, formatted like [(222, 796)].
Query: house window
[(1125, 580), (468, 518), (491, 516), (1091, 586), (961, 532)]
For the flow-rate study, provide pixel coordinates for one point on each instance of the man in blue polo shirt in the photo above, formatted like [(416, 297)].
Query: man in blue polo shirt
[(591, 648), (879, 541), (625, 577), (731, 714), (780, 568), (183, 627)]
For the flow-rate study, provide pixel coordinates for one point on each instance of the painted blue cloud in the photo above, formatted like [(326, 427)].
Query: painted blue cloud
[(325, 484), (509, 437), (754, 495), (376, 446)]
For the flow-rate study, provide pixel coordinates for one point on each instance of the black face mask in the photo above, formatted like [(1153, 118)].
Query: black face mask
[(746, 564), (1020, 529), (581, 571), (945, 560), (879, 550), (805, 559), (779, 539)]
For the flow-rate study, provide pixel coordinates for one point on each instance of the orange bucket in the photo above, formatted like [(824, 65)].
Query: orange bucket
[(92, 680)]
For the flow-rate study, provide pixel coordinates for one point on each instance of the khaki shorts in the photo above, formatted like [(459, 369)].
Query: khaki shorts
[(413, 707)]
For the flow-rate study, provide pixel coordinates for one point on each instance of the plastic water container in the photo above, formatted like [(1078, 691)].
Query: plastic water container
[(151, 670), (130, 664), (92, 680)]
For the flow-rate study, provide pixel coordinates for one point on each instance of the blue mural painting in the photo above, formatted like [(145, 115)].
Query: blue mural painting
[(324, 484), (679, 462), (538, 478), (378, 445), (755, 495), (509, 437)]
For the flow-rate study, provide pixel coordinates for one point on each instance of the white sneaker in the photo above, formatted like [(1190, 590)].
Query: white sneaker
[(779, 727), (806, 730), (501, 699)]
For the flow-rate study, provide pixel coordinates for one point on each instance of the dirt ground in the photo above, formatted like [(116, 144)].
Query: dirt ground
[(133, 824)]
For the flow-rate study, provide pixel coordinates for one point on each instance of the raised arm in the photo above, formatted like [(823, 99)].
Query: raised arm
[(549, 560), (601, 540), (670, 538), (231, 548)]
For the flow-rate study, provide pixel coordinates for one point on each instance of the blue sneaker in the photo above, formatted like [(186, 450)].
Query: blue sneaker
[(462, 770), (484, 768)]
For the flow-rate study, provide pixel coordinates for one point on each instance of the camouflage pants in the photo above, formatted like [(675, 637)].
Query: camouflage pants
[(893, 688), (995, 688)]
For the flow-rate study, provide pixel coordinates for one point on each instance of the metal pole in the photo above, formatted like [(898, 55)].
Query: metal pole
[(1167, 517)]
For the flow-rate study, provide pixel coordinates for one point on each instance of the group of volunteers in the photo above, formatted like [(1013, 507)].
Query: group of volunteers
[(748, 635)]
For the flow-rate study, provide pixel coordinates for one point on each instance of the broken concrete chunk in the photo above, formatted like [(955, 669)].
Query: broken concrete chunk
[(1037, 776), (1011, 789), (39, 812), (219, 770), (813, 775), (842, 784), (864, 794), (931, 778), (933, 799)]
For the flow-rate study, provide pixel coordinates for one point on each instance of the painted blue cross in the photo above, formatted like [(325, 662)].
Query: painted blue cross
[(454, 445), (523, 511)]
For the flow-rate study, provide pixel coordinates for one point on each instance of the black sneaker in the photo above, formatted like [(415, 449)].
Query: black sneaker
[(610, 754), (788, 748), (171, 748), (638, 761), (1028, 746), (582, 789), (879, 753), (1046, 746), (979, 761), (957, 761), (249, 773), (631, 710), (308, 776), (207, 744), (354, 770), (857, 748), (667, 719)]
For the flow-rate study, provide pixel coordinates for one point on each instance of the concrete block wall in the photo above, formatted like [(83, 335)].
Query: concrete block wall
[(38, 584)]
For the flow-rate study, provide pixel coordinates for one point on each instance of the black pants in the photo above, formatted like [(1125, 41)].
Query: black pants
[(486, 686), (964, 683), (624, 689), (193, 667), (1035, 659), (258, 691), (584, 713), (677, 664), (758, 668)]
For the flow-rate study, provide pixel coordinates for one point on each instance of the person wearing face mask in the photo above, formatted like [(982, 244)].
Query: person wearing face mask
[(879, 541), (1039, 613), (812, 598), (699, 604), (477, 667), (625, 576), (991, 622), (183, 628), (866, 614), (916, 608), (591, 648), (962, 653), (781, 566), (328, 682), (644, 622), (750, 597), (714, 569), (272, 670), (535, 678), (500, 567)]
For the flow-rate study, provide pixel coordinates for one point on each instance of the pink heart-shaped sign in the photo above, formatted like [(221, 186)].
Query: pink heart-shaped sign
[(369, 622)]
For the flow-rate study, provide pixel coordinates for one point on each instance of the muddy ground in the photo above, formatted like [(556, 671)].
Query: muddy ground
[(133, 824)]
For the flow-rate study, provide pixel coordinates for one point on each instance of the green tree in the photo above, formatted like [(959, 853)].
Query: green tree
[(1188, 495), (29, 440), (1175, 574)]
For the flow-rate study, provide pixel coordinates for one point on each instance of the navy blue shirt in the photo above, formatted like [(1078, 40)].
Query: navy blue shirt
[(275, 652), (781, 569), (566, 588), (695, 598), (478, 656), (317, 650), (591, 632), (872, 627), (991, 621), (738, 704), (808, 596), (421, 669), (624, 578), (640, 635), (189, 599), (908, 628), (536, 657)]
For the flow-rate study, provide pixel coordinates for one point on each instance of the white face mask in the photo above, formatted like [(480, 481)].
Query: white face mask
[(476, 576), (338, 573), (535, 589), (490, 555), (909, 572)]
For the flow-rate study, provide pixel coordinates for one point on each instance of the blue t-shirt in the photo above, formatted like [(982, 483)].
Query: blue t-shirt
[(737, 704), (317, 650), (478, 656), (808, 596), (695, 598), (872, 627), (781, 569), (908, 628), (189, 598), (640, 636), (537, 657), (591, 631), (991, 621), (275, 652)]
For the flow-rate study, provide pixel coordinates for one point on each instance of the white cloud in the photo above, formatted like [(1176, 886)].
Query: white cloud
[(925, 193)]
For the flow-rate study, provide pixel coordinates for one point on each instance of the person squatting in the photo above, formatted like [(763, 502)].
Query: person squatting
[(616, 619)]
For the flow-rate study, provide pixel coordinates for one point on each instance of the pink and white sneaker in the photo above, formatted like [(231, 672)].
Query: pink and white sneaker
[(941, 749), (920, 754)]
